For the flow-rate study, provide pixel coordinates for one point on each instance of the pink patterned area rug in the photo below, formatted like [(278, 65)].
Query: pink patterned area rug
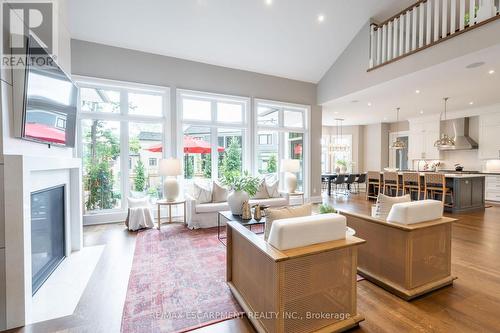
[(177, 282)]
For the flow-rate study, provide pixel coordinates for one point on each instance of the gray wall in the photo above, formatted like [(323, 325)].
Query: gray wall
[(107, 62), (349, 73)]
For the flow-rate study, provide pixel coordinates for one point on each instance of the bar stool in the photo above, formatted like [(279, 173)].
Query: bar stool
[(435, 184), (411, 184), (391, 182), (373, 184), (360, 180)]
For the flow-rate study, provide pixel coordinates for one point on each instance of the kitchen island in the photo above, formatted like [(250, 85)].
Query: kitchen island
[(468, 191)]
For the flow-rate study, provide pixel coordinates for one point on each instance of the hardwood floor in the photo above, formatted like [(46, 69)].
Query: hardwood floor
[(472, 304)]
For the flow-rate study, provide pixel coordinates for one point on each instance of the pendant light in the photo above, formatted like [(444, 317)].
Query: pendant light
[(338, 146), (445, 141), (397, 144)]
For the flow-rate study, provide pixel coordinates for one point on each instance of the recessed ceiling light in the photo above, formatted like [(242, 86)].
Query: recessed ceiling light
[(336, 112), (471, 103), (475, 64), (269, 2), (421, 111), (369, 104), (491, 71), (417, 91), (321, 18), (385, 118)]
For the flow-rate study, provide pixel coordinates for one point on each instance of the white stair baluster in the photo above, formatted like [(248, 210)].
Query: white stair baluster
[(461, 17), (453, 16), (389, 41), (436, 20), (444, 22), (428, 27), (395, 32), (372, 60), (379, 45), (401, 34), (421, 17), (407, 32), (414, 29), (472, 12), (384, 43)]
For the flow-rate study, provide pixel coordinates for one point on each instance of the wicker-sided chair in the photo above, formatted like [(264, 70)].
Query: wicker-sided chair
[(391, 183), (373, 184), (316, 279), (435, 188), (412, 185)]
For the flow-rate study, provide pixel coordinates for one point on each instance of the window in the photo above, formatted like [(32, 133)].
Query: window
[(331, 159), (121, 139), (282, 133), (265, 139), (213, 138)]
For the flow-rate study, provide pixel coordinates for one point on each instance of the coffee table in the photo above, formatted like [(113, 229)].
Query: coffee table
[(228, 216)]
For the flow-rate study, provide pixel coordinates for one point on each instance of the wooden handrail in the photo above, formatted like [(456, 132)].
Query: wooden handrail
[(415, 5)]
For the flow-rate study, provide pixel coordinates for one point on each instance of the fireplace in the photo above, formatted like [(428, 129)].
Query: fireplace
[(47, 233)]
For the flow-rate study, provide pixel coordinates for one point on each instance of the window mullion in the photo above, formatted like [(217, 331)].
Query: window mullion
[(124, 148)]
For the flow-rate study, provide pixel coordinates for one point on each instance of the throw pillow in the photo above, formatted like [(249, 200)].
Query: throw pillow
[(201, 194), (384, 205), (219, 193), (261, 191), (284, 213), (272, 189)]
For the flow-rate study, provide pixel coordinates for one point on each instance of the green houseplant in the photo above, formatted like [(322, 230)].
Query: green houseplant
[(243, 187), (326, 209)]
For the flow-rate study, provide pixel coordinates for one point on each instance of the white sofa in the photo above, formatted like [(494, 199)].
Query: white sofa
[(205, 215)]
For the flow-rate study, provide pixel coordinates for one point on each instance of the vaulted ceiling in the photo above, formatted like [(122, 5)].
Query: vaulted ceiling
[(286, 38)]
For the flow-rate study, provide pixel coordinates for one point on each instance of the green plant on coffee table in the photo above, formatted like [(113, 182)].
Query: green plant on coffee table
[(241, 182), (326, 209)]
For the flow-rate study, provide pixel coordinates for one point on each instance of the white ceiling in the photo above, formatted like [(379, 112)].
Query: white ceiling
[(451, 79), (283, 39)]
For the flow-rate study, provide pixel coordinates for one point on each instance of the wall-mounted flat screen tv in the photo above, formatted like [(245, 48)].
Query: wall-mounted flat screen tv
[(50, 100)]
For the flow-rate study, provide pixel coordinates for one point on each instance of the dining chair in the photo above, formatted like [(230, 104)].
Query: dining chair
[(391, 183), (411, 184), (339, 183), (435, 187), (351, 178), (360, 180), (373, 184)]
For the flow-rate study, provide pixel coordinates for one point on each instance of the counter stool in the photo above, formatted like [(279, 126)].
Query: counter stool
[(373, 184), (411, 184), (435, 184), (391, 183)]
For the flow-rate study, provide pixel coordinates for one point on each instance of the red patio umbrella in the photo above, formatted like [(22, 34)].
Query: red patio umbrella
[(45, 133), (191, 146)]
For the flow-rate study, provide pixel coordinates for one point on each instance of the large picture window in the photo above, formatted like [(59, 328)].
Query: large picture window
[(121, 139), (282, 133), (214, 134)]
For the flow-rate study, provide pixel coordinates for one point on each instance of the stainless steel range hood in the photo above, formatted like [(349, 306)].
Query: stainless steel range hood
[(458, 129)]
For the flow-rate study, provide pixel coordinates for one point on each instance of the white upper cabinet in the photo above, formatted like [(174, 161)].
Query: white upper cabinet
[(489, 136), (423, 134)]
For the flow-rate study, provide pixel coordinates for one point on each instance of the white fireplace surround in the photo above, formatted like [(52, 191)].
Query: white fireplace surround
[(23, 175)]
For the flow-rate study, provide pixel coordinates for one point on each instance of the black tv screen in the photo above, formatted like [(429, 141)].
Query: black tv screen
[(50, 101)]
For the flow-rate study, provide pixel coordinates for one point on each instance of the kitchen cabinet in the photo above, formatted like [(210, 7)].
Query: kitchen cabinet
[(489, 136), (423, 134), (492, 190)]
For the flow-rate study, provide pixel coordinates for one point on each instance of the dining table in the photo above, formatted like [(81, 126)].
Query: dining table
[(332, 176)]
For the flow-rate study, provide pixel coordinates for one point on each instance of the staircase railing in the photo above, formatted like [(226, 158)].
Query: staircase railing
[(426, 23)]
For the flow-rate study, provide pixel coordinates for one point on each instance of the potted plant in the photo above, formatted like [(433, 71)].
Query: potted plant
[(242, 186), (343, 165), (326, 209)]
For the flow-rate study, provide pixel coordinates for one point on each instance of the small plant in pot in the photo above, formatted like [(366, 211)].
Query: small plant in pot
[(326, 209), (242, 186), (342, 164)]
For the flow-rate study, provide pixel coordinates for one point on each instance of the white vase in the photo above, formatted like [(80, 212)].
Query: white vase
[(235, 200), (343, 169), (337, 170)]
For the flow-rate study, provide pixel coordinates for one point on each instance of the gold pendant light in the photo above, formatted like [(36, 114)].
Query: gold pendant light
[(444, 141), (397, 144)]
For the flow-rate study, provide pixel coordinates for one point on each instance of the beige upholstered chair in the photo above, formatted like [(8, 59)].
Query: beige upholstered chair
[(298, 283), (373, 184), (409, 256), (391, 183), (411, 184), (435, 186)]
